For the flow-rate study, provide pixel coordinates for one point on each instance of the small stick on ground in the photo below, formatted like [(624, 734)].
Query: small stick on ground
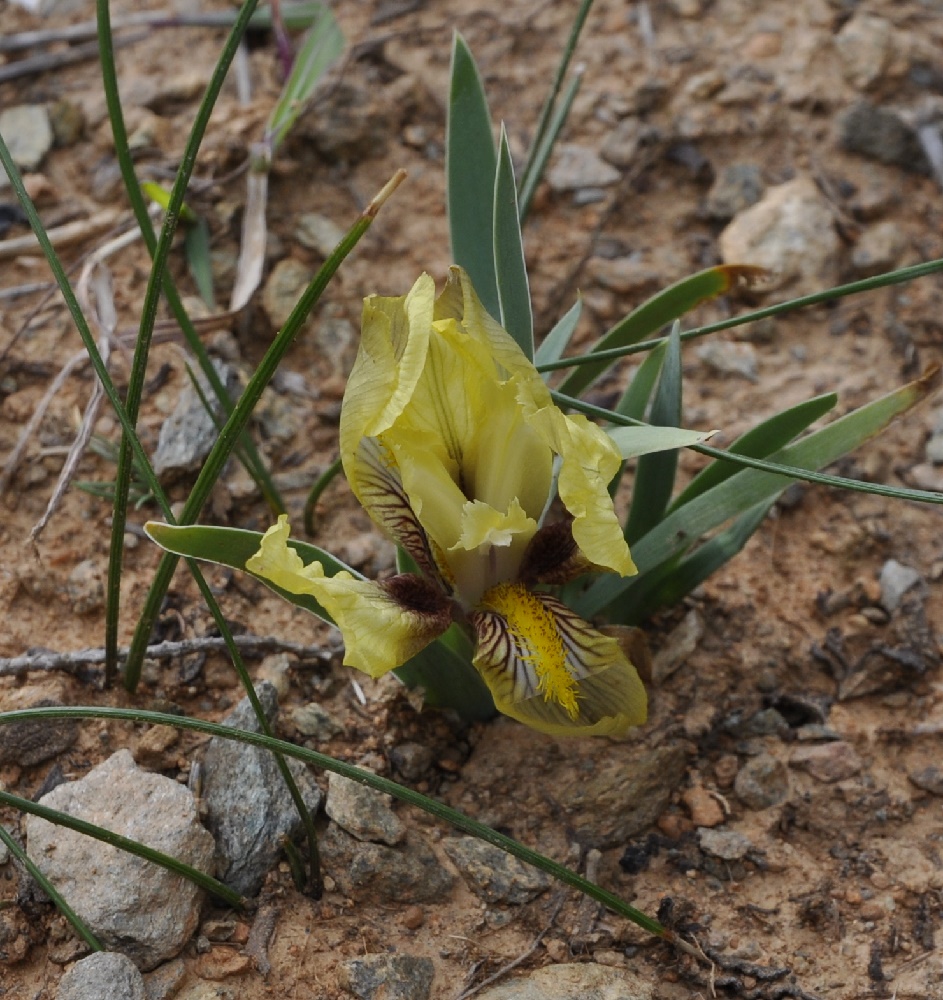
[(82, 659), (505, 969)]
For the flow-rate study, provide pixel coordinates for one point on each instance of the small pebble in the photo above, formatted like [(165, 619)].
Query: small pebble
[(762, 782), (828, 762), (705, 810)]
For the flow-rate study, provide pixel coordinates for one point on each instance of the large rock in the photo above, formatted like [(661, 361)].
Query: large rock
[(387, 977), (375, 873), (791, 232), (248, 806), (104, 974), (494, 875), (621, 796), (130, 904), (579, 981), (363, 811)]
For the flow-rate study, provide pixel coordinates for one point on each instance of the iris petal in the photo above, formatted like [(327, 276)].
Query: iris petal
[(383, 624), (600, 694)]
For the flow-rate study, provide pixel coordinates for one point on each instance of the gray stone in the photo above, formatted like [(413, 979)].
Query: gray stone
[(28, 134), (729, 357), (896, 580), (314, 721), (680, 644), (934, 449), (318, 233), (130, 904), (762, 782), (28, 743), (103, 974), (411, 760), (728, 845), (165, 981), (607, 802), (86, 588), (736, 188), (494, 875), (622, 145), (625, 275), (828, 762), (387, 977), (879, 249), (363, 811), (929, 778), (408, 873), (248, 807), (189, 433), (283, 288), (766, 722), (790, 232), (881, 134), (865, 47), (577, 167), (579, 981)]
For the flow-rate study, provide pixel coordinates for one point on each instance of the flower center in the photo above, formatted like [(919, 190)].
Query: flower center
[(538, 641)]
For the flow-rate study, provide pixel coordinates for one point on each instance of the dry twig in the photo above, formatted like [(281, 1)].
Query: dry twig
[(82, 659)]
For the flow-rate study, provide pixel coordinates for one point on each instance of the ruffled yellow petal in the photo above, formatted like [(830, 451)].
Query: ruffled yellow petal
[(383, 624), (551, 670), (589, 460), (394, 343), (482, 525)]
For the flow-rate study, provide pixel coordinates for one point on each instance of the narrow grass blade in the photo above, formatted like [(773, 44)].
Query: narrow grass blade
[(142, 463), (429, 805), (751, 486), (635, 399), (510, 267), (759, 441), (655, 474), (238, 419), (199, 263), (256, 467), (320, 485), (191, 874), (552, 114), (323, 44), (897, 277), (161, 255), (661, 309), (557, 340), (470, 168), (254, 231), (544, 148), (680, 576), (48, 888)]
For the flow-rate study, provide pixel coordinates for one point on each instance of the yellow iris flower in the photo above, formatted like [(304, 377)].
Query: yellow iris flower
[(452, 444)]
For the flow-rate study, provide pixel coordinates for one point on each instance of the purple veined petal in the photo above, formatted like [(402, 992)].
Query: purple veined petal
[(376, 482), (551, 670)]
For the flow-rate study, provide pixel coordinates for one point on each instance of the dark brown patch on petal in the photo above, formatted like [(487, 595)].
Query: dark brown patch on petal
[(415, 594), (553, 556)]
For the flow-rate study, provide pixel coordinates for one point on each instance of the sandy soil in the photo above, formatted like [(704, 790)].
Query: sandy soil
[(844, 879)]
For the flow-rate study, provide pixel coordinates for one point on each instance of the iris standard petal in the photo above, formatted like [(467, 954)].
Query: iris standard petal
[(551, 670), (383, 624), (589, 460)]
